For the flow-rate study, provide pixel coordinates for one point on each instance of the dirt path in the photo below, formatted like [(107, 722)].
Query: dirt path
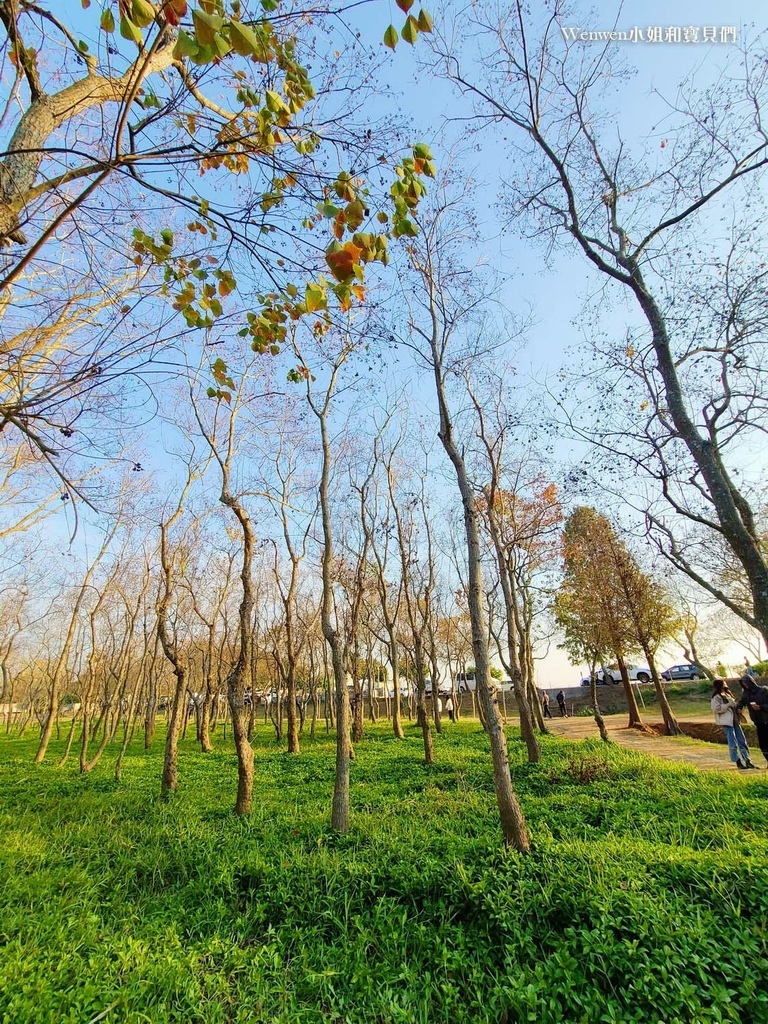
[(705, 756)]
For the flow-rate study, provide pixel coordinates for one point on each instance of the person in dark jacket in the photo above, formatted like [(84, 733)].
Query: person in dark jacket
[(755, 699), (560, 698)]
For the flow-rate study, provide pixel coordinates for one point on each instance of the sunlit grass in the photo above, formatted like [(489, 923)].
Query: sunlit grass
[(643, 875)]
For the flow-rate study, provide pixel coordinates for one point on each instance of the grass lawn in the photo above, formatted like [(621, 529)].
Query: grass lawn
[(645, 898)]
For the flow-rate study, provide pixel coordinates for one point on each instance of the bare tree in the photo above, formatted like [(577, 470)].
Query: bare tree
[(320, 406), (284, 499), (238, 677), (444, 306), (174, 650), (415, 586), (520, 526), (54, 689), (379, 536), (643, 224)]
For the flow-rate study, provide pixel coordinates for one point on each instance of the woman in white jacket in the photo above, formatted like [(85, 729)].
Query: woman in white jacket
[(723, 706)]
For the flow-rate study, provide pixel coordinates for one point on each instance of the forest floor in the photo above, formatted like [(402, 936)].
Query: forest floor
[(704, 755)]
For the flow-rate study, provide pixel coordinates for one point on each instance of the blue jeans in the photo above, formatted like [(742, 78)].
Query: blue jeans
[(737, 743)]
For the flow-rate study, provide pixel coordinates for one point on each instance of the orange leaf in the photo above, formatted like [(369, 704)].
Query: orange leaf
[(342, 263)]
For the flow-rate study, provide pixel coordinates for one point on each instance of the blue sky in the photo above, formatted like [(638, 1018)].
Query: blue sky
[(555, 297)]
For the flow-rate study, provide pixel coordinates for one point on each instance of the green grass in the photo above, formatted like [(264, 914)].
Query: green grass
[(645, 898)]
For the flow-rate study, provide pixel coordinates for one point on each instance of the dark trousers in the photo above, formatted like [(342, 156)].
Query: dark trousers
[(563, 711), (547, 712), (762, 737)]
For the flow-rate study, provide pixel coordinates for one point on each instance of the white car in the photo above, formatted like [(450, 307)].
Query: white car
[(636, 673)]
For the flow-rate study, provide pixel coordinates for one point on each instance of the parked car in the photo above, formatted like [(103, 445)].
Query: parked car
[(636, 673), (599, 680), (689, 671), (444, 690), (465, 683)]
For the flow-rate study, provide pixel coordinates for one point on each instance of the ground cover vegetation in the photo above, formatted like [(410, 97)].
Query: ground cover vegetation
[(644, 897)]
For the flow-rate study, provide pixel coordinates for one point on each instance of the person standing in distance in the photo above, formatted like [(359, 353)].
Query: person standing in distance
[(560, 698), (545, 704), (755, 699), (725, 712), (449, 708)]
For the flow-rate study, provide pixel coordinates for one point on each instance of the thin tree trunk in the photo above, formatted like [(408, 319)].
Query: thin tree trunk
[(340, 805), (670, 721), (58, 673), (70, 736), (513, 825), (599, 721), (635, 718)]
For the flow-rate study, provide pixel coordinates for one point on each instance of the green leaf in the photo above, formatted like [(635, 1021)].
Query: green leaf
[(315, 297), (107, 20), (424, 21), (355, 214), (203, 55), (405, 227), (206, 27), (275, 102), (269, 5), (391, 37), (82, 46), (129, 31), (246, 42), (142, 13), (185, 46), (221, 45), (410, 30)]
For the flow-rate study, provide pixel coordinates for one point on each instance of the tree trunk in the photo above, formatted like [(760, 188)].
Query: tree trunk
[(397, 721), (670, 722), (127, 736), (534, 703), (294, 744), (340, 805), (236, 680), (513, 825), (635, 718), (205, 724), (512, 663), (422, 718), (599, 721), (45, 115), (169, 780), (70, 736), (734, 514)]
